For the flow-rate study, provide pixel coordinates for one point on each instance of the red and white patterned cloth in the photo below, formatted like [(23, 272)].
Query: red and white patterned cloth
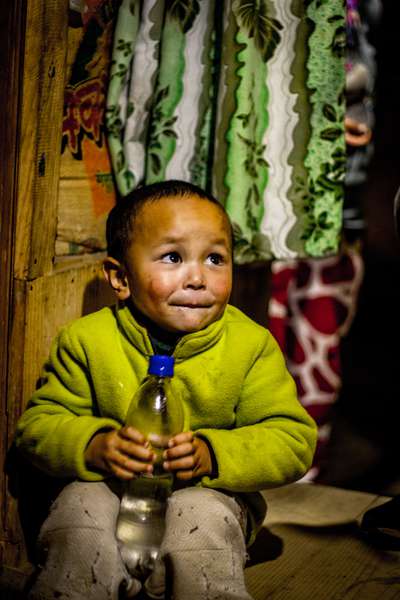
[(311, 308)]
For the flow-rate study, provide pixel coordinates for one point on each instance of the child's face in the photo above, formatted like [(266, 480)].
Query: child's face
[(179, 265)]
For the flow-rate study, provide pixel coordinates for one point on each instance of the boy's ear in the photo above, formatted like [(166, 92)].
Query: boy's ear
[(115, 274)]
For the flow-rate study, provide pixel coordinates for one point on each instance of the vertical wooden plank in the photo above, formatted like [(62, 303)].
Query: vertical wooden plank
[(41, 307), (41, 128), (51, 302), (37, 297), (12, 24), (13, 546), (32, 60)]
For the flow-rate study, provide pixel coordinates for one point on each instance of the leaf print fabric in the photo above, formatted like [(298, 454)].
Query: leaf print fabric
[(243, 98)]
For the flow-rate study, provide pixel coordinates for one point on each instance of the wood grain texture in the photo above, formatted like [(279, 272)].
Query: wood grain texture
[(39, 294), (51, 302), (41, 307), (12, 544), (40, 135), (12, 24)]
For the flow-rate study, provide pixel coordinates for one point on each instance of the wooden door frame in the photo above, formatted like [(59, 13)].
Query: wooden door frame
[(33, 49), (12, 27), (38, 294)]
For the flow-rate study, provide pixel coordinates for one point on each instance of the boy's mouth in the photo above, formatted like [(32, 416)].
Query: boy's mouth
[(192, 301), (191, 305)]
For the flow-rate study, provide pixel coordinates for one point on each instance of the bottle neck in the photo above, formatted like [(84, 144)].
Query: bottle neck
[(160, 378)]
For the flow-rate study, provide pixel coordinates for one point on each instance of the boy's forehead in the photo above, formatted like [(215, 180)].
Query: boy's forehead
[(183, 214)]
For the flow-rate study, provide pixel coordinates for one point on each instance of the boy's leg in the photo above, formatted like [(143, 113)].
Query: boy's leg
[(204, 546), (78, 552)]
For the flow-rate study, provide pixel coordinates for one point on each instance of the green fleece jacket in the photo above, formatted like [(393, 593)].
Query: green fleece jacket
[(231, 377)]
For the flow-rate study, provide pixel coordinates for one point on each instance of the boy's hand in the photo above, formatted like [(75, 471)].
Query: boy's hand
[(188, 456), (122, 453)]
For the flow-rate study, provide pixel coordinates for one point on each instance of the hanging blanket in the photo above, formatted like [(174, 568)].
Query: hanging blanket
[(312, 306), (244, 99)]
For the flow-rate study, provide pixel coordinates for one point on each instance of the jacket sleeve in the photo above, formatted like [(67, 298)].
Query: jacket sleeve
[(60, 418), (274, 438)]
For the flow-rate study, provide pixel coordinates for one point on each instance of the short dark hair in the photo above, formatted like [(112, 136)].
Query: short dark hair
[(121, 218)]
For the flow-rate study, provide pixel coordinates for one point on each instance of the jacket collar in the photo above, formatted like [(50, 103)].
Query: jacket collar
[(188, 345)]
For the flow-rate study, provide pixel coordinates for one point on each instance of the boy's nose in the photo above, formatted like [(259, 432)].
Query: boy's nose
[(195, 278)]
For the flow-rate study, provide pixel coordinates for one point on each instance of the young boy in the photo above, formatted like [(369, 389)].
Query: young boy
[(170, 266)]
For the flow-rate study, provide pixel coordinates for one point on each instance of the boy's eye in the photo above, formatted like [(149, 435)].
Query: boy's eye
[(171, 257), (215, 258)]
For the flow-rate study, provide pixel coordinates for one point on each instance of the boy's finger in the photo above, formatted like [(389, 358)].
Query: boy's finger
[(180, 450), (121, 473), (181, 438), (128, 466), (133, 434), (131, 450), (187, 462)]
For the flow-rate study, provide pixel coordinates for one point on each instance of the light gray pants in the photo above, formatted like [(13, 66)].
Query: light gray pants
[(204, 547)]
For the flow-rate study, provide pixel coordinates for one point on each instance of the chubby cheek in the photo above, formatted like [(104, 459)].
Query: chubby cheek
[(221, 288), (159, 288)]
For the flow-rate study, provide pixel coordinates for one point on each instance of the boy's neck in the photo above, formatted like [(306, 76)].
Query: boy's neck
[(163, 341)]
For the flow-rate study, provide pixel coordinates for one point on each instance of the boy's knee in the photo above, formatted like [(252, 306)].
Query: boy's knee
[(201, 518), (82, 505), (204, 545), (77, 548)]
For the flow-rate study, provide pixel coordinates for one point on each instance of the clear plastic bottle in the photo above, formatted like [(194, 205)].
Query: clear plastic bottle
[(157, 413)]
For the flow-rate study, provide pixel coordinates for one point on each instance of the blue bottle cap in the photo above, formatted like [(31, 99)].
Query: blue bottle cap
[(161, 365)]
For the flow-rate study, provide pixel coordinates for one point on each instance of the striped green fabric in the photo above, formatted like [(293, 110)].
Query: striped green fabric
[(243, 98)]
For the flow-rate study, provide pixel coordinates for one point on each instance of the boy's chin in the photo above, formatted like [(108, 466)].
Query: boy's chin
[(187, 325), (184, 329)]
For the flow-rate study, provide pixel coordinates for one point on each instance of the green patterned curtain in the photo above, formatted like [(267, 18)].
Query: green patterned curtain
[(244, 99)]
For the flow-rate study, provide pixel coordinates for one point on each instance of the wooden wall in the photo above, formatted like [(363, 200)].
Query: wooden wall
[(39, 291), (11, 25)]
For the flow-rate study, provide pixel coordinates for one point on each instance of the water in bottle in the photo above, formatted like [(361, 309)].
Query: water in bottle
[(157, 413)]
